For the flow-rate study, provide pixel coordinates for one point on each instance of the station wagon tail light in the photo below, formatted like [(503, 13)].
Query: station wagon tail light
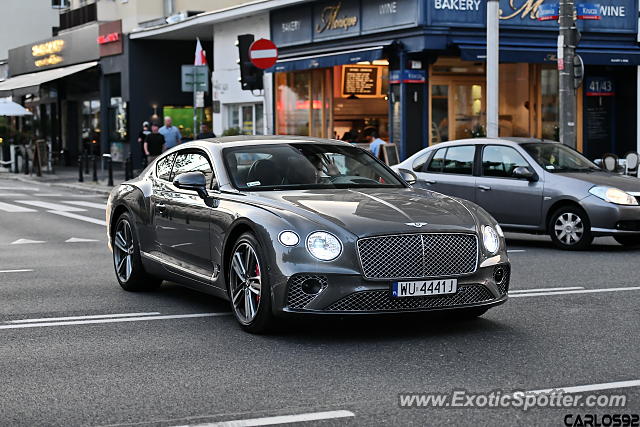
[(324, 246), (490, 239), (613, 195)]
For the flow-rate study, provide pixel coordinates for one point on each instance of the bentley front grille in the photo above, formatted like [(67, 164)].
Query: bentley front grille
[(381, 300), (405, 256)]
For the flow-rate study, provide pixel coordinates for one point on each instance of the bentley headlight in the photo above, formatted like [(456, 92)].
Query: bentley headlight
[(490, 239), (613, 195), (324, 246)]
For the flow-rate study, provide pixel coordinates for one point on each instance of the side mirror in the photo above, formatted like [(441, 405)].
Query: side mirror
[(194, 181), (523, 172), (410, 177)]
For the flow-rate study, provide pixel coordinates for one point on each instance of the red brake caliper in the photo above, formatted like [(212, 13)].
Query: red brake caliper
[(257, 275)]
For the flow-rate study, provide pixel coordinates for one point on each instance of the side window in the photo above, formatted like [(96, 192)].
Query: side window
[(459, 160), (163, 167), (418, 164), (500, 161), (193, 162), (437, 161)]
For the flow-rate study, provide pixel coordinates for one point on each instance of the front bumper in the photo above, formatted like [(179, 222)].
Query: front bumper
[(353, 294), (608, 219)]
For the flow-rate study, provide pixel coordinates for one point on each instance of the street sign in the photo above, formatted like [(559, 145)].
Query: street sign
[(548, 12), (197, 73), (263, 53), (588, 11)]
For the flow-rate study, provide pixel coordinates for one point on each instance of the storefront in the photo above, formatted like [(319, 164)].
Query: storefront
[(415, 71)]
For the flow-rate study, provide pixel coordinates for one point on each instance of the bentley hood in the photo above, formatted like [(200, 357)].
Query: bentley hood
[(366, 212)]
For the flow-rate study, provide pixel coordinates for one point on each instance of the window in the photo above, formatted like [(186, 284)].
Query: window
[(437, 162), (418, 164), (163, 167), (459, 160), (500, 161), (248, 119), (193, 162)]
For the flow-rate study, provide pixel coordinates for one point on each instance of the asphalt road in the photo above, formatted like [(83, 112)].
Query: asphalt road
[(77, 350)]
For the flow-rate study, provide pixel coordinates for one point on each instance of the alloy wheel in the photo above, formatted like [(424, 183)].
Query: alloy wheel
[(569, 228), (246, 282), (123, 250)]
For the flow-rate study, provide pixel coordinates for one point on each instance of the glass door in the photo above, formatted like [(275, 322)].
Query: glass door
[(458, 109)]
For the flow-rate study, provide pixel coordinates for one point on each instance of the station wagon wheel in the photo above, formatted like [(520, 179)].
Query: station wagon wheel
[(570, 229), (249, 285), (126, 258)]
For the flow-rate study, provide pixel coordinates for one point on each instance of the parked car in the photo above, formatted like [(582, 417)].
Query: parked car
[(534, 186), (284, 225)]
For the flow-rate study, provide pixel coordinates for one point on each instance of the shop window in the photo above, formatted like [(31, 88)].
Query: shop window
[(246, 119), (515, 106), (550, 103), (91, 125)]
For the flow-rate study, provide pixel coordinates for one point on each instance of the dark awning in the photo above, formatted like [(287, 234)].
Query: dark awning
[(328, 58)]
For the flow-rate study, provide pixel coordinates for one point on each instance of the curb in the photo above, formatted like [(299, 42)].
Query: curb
[(93, 188)]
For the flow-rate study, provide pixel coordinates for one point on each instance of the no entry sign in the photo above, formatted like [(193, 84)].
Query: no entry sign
[(263, 53)]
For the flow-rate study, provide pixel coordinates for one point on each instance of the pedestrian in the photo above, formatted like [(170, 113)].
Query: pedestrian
[(172, 136), (154, 143), (205, 132), (375, 143), (142, 136)]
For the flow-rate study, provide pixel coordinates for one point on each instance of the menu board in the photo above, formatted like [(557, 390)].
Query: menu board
[(360, 80)]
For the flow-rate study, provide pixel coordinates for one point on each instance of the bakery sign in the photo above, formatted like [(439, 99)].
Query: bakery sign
[(47, 53)]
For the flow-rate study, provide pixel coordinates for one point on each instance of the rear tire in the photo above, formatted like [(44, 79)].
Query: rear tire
[(249, 286), (126, 258), (628, 240), (570, 228)]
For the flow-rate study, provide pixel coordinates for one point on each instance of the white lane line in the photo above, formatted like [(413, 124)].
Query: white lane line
[(19, 188), (12, 194), (24, 270), (80, 217), (26, 242), (585, 291), (13, 208), (79, 240), (47, 194), (50, 205), (124, 319), (512, 251), (282, 419), (94, 316), (523, 291), (591, 387), (86, 204)]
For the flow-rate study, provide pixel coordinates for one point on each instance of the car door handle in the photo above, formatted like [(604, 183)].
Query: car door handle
[(484, 187), (161, 207), (430, 181)]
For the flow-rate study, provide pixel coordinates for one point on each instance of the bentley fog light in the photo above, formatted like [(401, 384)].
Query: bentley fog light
[(490, 239), (324, 246), (288, 238), (613, 195)]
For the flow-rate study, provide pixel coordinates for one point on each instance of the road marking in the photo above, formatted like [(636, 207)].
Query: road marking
[(118, 320), (80, 217), (79, 240), (49, 205), (86, 204), (19, 188), (522, 291), (94, 316), (47, 194), (591, 387), (24, 270), (281, 419), (13, 208), (512, 251), (584, 291), (26, 242), (12, 194)]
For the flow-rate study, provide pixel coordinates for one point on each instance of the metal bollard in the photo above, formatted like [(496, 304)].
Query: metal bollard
[(128, 169), (80, 177), (94, 160), (86, 163), (109, 168), (26, 161)]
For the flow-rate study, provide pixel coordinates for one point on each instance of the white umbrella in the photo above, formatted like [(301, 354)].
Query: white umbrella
[(9, 108)]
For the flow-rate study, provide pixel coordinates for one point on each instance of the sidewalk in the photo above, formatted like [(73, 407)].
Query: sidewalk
[(67, 177)]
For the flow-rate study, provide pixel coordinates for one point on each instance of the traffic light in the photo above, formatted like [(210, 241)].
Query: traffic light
[(250, 75)]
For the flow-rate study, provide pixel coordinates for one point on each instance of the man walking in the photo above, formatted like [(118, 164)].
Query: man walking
[(154, 143), (172, 136)]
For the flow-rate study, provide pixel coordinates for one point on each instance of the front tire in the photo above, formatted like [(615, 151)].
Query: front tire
[(249, 287), (628, 240), (126, 258), (570, 229)]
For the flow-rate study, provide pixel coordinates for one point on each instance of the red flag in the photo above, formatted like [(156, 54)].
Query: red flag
[(201, 55)]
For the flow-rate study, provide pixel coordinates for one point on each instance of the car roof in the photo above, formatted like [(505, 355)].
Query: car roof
[(232, 141), (509, 140)]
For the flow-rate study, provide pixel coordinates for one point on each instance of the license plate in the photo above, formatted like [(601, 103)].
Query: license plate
[(422, 288)]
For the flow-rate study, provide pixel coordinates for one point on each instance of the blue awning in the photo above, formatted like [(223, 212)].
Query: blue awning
[(591, 53), (325, 59)]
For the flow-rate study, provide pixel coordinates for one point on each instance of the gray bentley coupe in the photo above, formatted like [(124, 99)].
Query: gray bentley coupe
[(297, 225)]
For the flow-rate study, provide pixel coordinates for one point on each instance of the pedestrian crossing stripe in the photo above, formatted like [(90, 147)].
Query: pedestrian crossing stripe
[(6, 207), (50, 205)]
